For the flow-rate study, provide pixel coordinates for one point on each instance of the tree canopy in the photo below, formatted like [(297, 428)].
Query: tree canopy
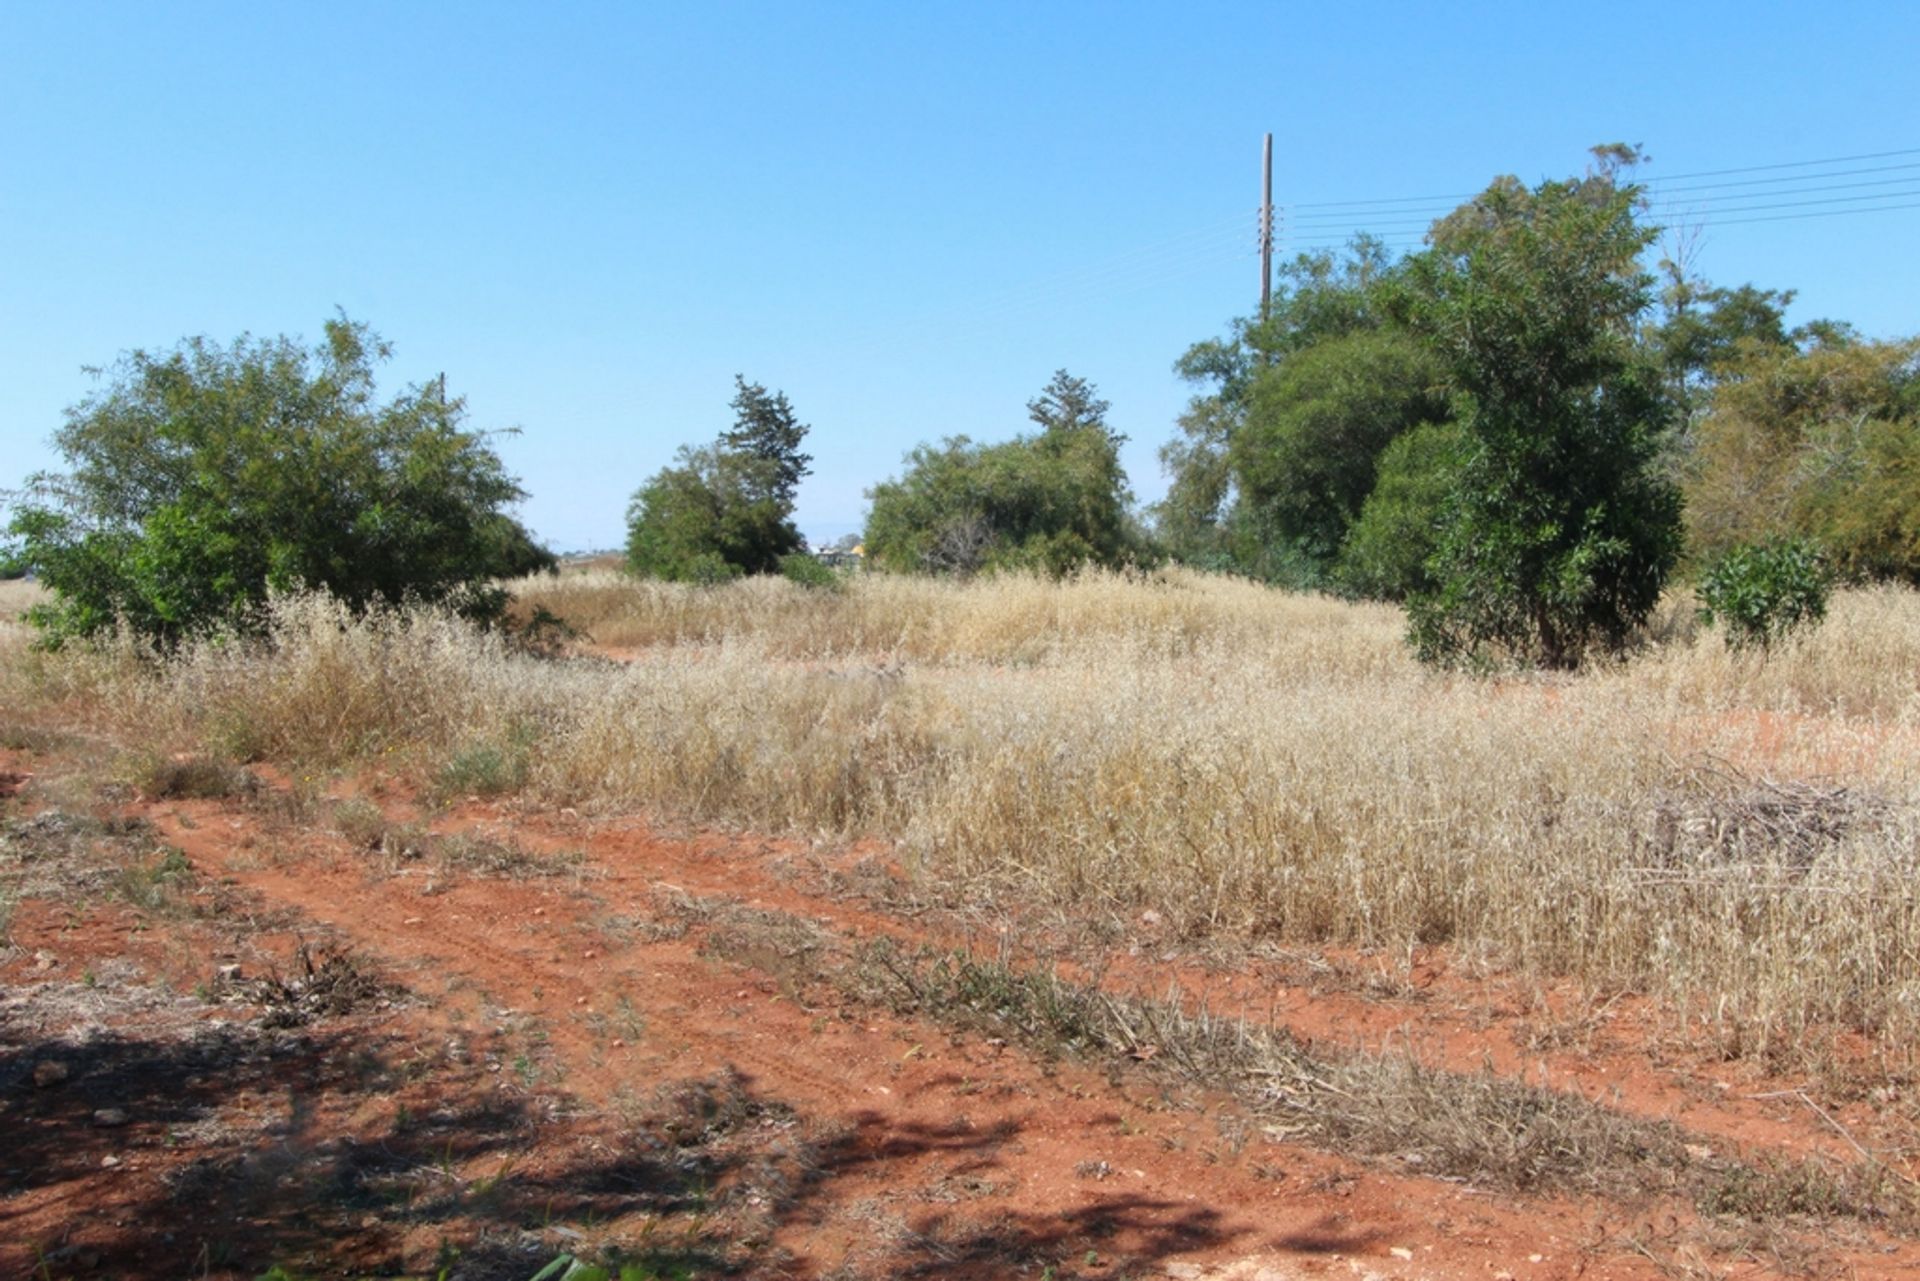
[(206, 477), (724, 509), (1561, 530), (1050, 501), (1279, 451)]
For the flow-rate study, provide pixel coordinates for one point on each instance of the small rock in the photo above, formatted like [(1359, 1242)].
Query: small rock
[(109, 1162), (1401, 1252), (229, 973), (50, 1072), (43, 961), (110, 1117), (1184, 1271)]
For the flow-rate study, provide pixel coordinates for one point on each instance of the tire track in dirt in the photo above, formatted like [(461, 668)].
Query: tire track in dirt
[(1043, 1153), (1057, 1153)]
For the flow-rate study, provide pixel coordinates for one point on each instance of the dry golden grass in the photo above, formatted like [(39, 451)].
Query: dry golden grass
[(17, 596), (1734, 833)]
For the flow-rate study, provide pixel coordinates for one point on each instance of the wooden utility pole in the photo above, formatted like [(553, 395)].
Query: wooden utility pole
[(1266, 227)]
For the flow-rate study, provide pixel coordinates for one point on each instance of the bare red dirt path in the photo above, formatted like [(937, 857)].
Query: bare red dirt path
[(889, 1145)]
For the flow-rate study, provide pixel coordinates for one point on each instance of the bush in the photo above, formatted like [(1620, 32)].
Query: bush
[(1761, 592), (1562, 529), (1388, 547), (808, 571), (206, 478), (1050, 502), (725, 509)]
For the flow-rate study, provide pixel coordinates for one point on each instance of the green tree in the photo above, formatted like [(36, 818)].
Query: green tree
[(724, 509), (206, 477), (1389, 546), (1278, 454), (1562, 529), (764, 428), (1051, 501), (1317, 423), (1819, 441)]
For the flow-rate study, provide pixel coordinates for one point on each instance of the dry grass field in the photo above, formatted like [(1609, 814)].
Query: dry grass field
[(1736, 833), (17, 596), (1696, 857)]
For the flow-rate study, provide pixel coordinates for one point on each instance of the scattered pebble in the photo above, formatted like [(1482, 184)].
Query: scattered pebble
[(108, 1162), (110, 1117), (50, 1072)]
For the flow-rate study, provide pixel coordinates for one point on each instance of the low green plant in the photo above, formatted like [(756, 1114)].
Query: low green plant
[(1761, 592), (568, 1268), (490, 768), (808, 571)]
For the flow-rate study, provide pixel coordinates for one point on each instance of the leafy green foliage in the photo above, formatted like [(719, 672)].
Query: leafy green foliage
[(765, 429), (1277, 457), (1562, 530), (1388, 547), (206, 477), (1818, 441), (1760, 593), (808, 571), (1317, 423), (1051, 502), (709, 518), (725, 509)]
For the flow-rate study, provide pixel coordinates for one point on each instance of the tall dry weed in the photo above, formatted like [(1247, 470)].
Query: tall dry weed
[(1246, 763)]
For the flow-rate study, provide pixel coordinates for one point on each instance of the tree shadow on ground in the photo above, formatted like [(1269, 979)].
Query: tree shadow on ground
[(222, 1149)]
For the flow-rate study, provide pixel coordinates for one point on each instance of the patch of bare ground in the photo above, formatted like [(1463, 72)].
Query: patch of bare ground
[(245, 1025)]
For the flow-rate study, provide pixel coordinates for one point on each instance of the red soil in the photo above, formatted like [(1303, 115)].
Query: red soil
[(926, 1152)]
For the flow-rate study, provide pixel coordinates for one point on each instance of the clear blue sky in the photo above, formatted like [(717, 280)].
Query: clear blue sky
[(905, 216)]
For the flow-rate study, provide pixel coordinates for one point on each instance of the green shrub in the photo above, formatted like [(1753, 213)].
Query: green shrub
[(208, 478), (1388, 547), (726, 506), (1760, 592), (808, 571)]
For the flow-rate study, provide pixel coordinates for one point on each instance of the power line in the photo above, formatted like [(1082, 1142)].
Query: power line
[(1403, 220), (1654, 184), (1795, 164), (1410, 217), (1798, 204), (1707, 206), (1827, 213), (1661, 187)]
